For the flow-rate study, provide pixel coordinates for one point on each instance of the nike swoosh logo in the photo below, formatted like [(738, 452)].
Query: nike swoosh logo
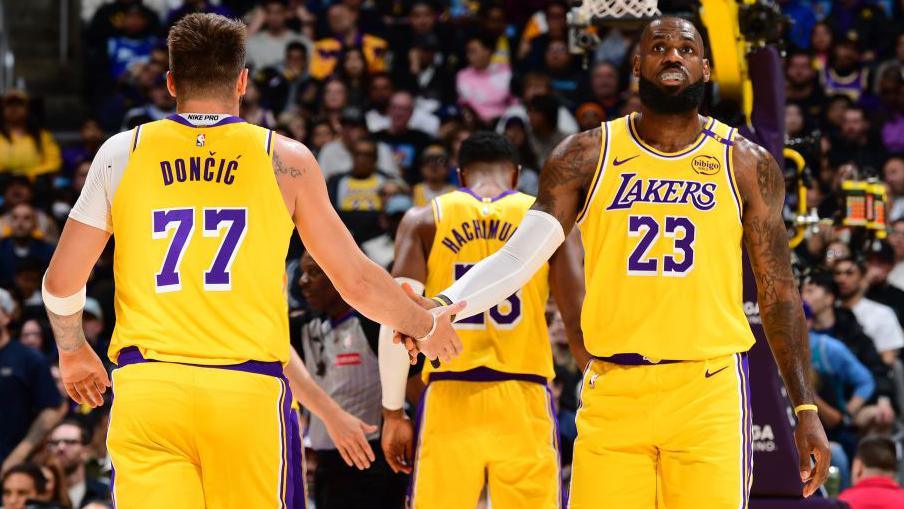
[(623, 161), (708, 374)]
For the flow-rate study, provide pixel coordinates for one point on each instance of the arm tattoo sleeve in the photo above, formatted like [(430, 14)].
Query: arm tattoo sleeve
[(779, 300), (67, 330)]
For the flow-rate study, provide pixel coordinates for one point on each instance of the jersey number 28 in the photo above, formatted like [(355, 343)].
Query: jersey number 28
[(218, 276), (500, 318)]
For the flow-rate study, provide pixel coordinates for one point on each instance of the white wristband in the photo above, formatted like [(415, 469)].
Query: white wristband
[(63, 306)]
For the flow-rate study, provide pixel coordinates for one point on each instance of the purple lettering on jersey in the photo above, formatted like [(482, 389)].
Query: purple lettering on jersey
[(231, 167), (466, 229), (194, 169), (183, 221), (479, 230), (179, 165), (451, 245), (493, 229), (167, 170), (208, 173), (633, 190), (506, 231), (459, 239), (218, 277)]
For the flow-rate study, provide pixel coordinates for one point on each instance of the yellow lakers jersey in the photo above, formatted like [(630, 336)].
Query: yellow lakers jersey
[(201, 233), (662, 237), (510, 337)]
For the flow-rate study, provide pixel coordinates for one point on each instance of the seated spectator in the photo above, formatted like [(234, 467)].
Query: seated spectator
[(605, 88), (68, 442), (29, 399), (821, 40), (321, 133), (381, 249), (890, 114), (865, 23), (802, 84), (845, 73), (434, 164), (161, 105), (36, 334), (381, 90), (528, 177), (356, 194), (352, 70), (879, 321), (55, 491), (343, 27), (21, 245), (589, 116), (795, 122), (856, 143), (430, 78), (107, 21), (132, 44), (25, 148), (880, 260), (555, 28), (19, 190), (569, 82), (536, 84), (27, 284), (483, 85), (335, 156), (251, 109), (288, 86), (90, 138), (196, 6), (339, 348), (874, 475), (544, 131), (21, 485), (405, 142), (419, 119), (820, 293), (896, 239), (267, 48), (333, 101)]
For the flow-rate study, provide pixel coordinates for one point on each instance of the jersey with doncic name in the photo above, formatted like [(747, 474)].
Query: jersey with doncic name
[(662, 235), (201, 233)]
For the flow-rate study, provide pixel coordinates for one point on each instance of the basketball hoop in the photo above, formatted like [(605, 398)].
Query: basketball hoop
[(616, 10)]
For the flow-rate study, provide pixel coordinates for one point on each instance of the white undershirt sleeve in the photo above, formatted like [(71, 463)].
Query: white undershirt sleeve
[(393, 359), (498, 276), (94, 204)]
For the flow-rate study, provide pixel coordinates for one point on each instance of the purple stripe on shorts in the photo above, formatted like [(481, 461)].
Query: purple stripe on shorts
[(295, 481), (131, 355), (418, 423), (555, 444), (746, 445), (485, 374), (633, 359), (231, 119), (746, 363)]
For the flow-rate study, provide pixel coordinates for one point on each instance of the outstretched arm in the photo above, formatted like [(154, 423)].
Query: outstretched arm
[(762, 188), (362, 283), (563, 185)]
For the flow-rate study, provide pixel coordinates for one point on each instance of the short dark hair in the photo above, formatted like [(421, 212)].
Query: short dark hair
[(31, 470), (84, 434), (878, 452), (855, 259), (824, 280), (485, 39), (547, 106), (206, 54), (296, 46), (486, 147)]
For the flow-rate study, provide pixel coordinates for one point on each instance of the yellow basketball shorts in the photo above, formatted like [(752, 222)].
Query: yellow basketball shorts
[(499, 432), (191, 437), (674, 436)]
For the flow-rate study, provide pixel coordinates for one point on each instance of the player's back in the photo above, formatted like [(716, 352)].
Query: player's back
[(510, 337), (662, 235), (201, 233)]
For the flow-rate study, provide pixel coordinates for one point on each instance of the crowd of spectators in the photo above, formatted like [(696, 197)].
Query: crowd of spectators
[(384, 92)]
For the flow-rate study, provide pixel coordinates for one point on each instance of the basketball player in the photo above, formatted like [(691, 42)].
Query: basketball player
[(202, 207), (664, 199), (487, 416)]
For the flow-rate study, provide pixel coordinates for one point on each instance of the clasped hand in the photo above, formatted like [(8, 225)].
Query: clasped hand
[(443, 343)]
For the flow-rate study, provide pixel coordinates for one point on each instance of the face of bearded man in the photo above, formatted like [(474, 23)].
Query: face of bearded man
[(663, 101)]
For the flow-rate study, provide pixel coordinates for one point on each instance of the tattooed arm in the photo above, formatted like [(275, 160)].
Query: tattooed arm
[(362, 283), (566, 176), (762, 188)]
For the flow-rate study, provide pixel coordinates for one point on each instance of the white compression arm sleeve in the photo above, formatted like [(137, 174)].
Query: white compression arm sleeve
[(498, 276), (393, 359)]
